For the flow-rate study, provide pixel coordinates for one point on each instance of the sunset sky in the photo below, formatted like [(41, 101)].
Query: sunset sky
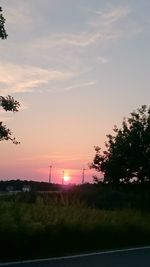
[(77, 67)]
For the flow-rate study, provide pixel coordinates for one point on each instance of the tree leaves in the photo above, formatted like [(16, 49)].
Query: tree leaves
[(3, 34), (5, 134), (127, 154), (8, 104)]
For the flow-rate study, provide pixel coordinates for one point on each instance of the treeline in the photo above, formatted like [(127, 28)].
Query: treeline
[(112, 197), (17, 185), (100, 196)]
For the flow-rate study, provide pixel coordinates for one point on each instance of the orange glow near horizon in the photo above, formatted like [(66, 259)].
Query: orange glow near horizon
[(66, 178), (58, 175)]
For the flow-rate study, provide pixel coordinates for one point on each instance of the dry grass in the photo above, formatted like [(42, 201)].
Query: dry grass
[(50, 227)]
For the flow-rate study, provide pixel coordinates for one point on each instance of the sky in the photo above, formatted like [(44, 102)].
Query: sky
[(77, 68)]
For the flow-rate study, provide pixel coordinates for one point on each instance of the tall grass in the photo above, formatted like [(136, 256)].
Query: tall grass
[(50, 227)]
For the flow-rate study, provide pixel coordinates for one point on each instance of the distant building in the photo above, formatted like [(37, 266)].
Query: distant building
[(26, 188)]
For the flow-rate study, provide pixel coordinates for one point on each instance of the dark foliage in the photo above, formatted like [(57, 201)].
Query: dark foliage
[(127, 155), (8, 104), (5, 134), (3, 34), (17, 185), (101, 196), (46, 228)]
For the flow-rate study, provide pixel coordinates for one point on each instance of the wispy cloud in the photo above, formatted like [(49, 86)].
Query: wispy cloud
[(63, 51), (81, 85), (83, 39), (109, 16), (15, 78), (100, 26)]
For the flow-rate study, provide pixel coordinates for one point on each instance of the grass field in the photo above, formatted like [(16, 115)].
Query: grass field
[(48, 227)]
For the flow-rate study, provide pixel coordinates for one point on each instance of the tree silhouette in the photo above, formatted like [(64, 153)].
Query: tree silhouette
[(3, 34), (127, 154), (7, 103)]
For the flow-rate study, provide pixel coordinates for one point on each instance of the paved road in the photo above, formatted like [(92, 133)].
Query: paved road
[(135, 257)]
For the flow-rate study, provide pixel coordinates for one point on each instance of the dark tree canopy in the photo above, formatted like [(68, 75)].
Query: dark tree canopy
[(3, 34), (127, 154), (8, 104)]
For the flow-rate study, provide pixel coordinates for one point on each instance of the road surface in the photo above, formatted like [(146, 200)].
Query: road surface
[(134, 257)]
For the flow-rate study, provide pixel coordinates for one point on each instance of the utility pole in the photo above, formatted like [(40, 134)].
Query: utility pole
[(83, 175), (63, 178), (50, 174)]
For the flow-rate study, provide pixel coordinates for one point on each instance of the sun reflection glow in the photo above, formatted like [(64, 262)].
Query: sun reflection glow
[(66, 178)]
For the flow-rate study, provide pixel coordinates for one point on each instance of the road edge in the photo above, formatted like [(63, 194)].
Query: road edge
[(75, 256)]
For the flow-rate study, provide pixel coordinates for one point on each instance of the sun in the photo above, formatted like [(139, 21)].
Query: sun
[(66, 178)]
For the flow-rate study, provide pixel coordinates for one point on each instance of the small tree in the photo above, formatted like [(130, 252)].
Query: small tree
[(3, 34), (127, 154), (8, 104)]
